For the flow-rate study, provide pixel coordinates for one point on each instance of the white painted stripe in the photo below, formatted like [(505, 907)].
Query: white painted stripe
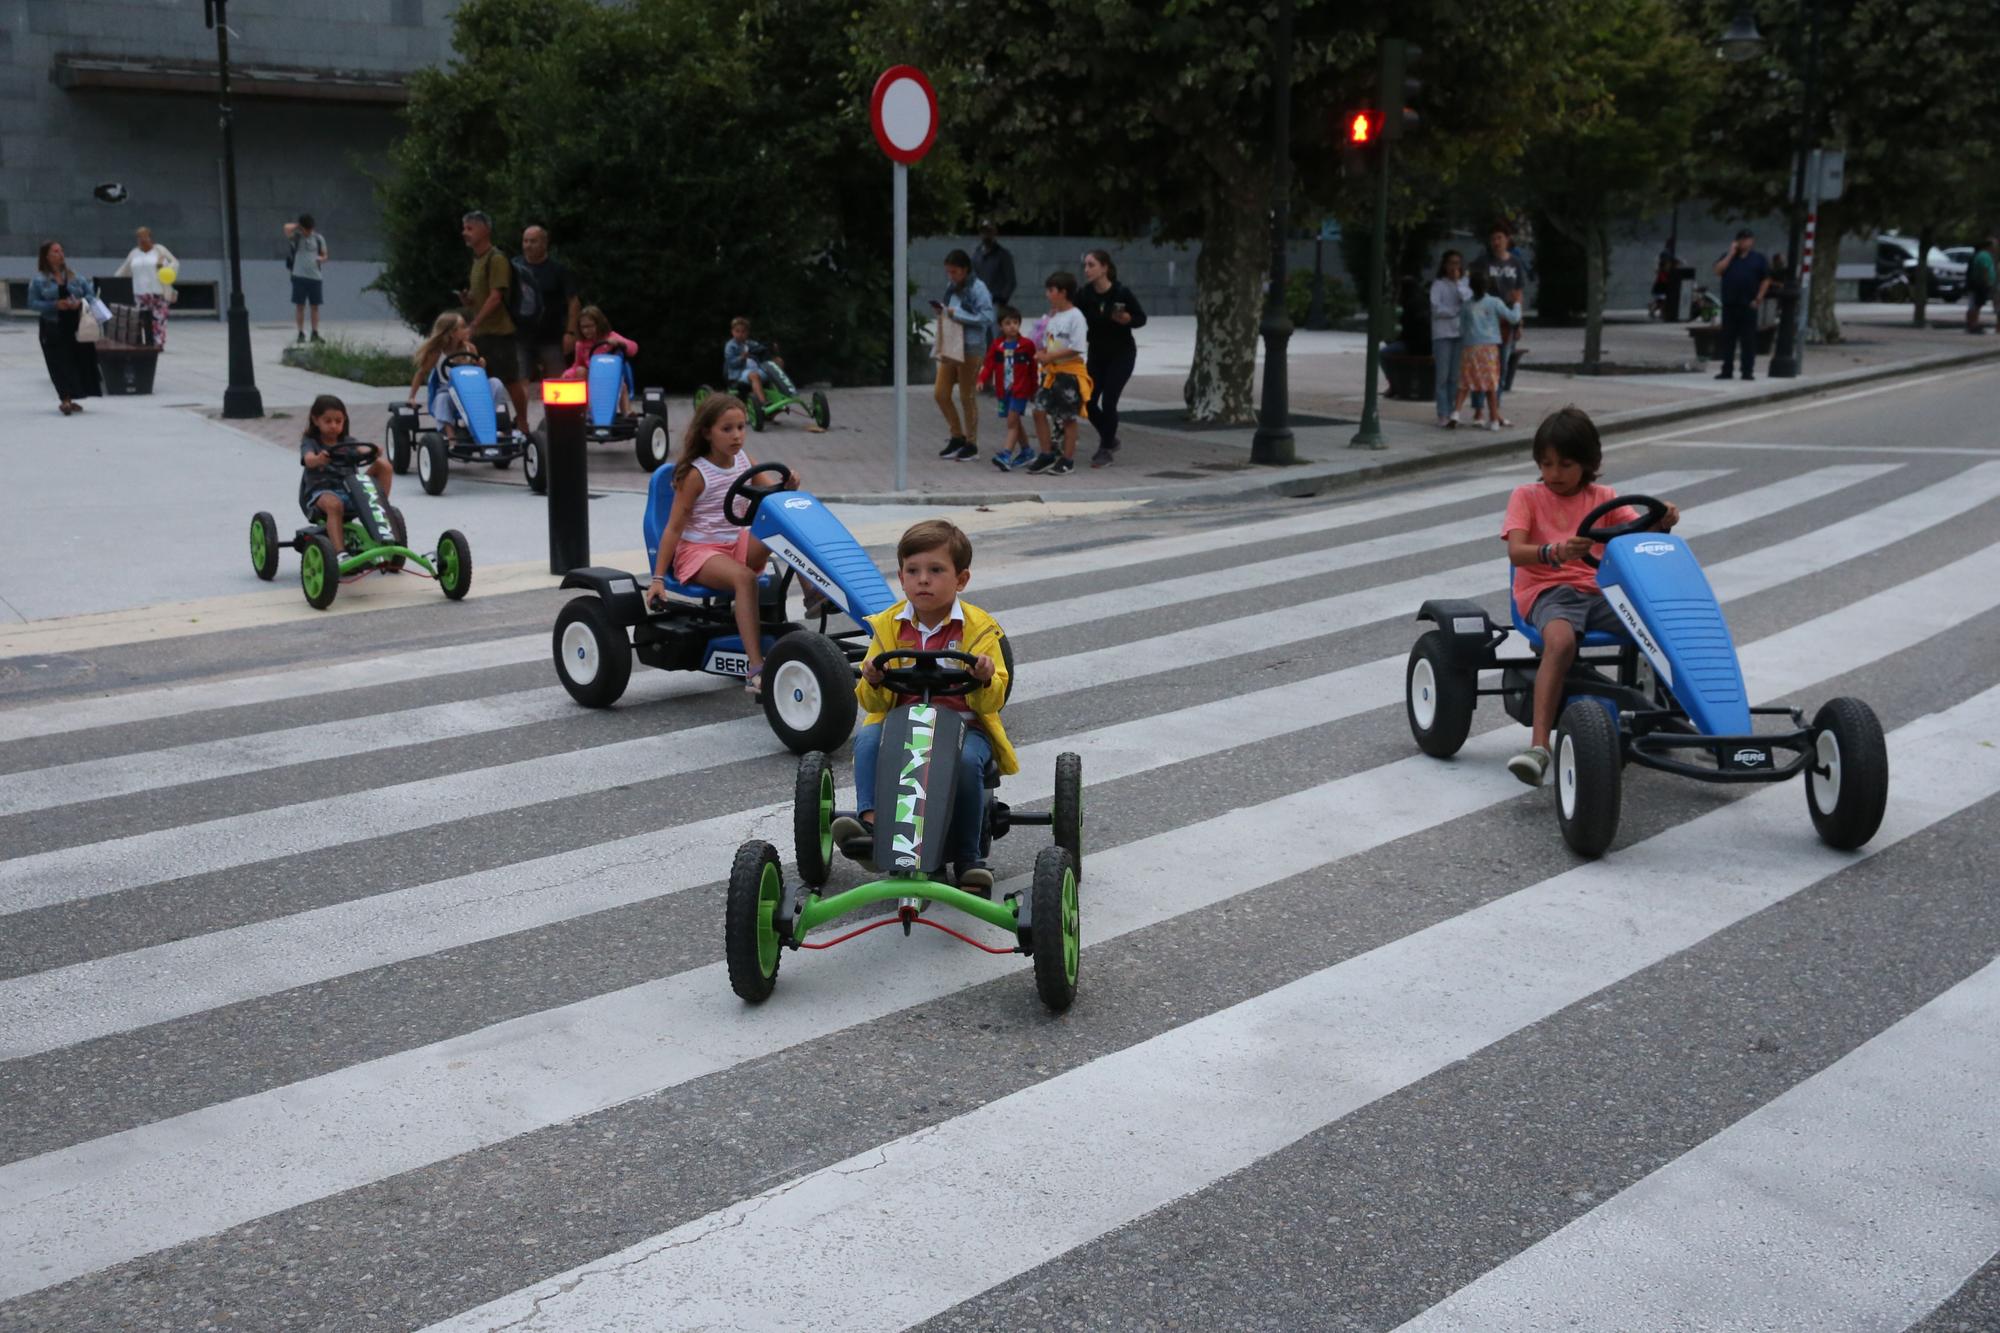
[(1862, 1198), (172, 701), (98, 1203), (117, 775), (47, 1010), (1214, 1096), (71, 874), (1913, 449)]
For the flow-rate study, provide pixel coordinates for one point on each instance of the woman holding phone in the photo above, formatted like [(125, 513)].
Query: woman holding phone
[(964, 328), (1112, 312)]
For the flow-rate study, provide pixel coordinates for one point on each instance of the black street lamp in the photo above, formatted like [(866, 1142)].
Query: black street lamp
[(241, 398), (1273, 443)]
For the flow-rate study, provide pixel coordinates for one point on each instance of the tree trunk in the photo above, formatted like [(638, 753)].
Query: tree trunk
[(1596, 244), (1229, 279), (1920, 304), (1822, 325)]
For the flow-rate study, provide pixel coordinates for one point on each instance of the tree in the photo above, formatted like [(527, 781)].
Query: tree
[(1634, 84), (683, 173)]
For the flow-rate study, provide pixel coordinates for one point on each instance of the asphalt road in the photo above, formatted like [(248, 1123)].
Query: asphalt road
[(353, 977)]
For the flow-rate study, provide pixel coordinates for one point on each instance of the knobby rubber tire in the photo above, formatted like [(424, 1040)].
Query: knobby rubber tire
[(1453, 696), (1863, 783), (650, 443), (319, 572), (1068, 812), (401, 530), (749, 940), (812, 817), (264, 546), (455, 584), (1056, 928), (434, 464), (1591, 822), (612, 649)]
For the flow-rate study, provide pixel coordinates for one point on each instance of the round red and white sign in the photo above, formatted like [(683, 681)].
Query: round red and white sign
[(904, 113)]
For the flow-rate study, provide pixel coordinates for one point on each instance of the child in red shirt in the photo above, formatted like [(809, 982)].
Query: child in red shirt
[(1553, 587), (1010, 370)]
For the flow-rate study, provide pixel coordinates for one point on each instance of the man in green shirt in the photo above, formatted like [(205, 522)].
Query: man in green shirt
[(485, 303), (1979, 283)]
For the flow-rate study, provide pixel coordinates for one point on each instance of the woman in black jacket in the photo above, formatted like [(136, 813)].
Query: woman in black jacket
[(1112, 312)]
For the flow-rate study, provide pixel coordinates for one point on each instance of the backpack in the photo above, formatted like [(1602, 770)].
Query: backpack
[(524, 298)]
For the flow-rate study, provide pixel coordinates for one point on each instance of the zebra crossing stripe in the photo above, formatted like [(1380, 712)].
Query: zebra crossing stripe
[(1214, 1096), (1862, 1198), (98, 1203)]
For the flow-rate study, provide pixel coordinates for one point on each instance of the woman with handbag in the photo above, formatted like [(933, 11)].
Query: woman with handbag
[(149, 293), (69, 327)]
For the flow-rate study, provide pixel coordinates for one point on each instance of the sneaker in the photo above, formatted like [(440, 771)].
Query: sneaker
[(1747, 377), (1531, 765), (976, 878), (1042, 463), (952, 446), (1103, 458), (846, 829), (1022, 457), (1493, 425), (967, 451), (1063, 467), (302, 337), (316, 337)]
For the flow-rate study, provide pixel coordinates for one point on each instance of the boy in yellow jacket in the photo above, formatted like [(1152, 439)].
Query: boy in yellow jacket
[(934, 562)]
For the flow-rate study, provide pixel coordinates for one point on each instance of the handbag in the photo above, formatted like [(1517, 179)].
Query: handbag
[(87, 327)]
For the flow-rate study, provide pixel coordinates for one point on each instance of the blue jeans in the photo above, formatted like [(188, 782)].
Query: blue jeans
[(1444, 356), (968, 807)]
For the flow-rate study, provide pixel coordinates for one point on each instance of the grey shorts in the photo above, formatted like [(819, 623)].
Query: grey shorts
[(1585, 611), (540, 360)]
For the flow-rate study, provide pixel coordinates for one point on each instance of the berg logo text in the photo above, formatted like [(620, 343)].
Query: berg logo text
[(1653, 548)]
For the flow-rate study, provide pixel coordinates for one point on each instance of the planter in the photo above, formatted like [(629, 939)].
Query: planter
[(127, 369), (1411, 377), (1708, 339)]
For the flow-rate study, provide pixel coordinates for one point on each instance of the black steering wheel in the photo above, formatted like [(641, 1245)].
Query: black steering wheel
[(743, 487), (461, 359), (348, 453), (1651, 513), (945, 674), (616, 349)]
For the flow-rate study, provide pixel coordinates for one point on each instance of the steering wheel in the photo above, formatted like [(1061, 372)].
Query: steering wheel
[(461, 359), (347, 453), (743, 487), (946, 674), (608, 347), (1652, 512)]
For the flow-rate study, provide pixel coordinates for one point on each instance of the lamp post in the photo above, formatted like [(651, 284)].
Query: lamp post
[(1273, 444), (241, 398)]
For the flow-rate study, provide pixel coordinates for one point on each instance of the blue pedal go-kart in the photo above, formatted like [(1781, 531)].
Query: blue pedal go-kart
[(915, 786), (374, 535), (1673, 699), (609, 377), (808, 672), (486, 435)]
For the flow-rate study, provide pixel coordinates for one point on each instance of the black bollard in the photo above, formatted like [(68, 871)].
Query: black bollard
[(563, 406)]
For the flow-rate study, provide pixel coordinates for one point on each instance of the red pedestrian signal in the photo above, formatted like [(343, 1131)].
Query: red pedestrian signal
[(1363, 127)]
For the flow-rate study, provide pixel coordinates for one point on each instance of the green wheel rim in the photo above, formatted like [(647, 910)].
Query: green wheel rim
[(259, 549), (769, 888), (699, 396), (448, 564), (826, 816), (1071, 930), (312, 570)]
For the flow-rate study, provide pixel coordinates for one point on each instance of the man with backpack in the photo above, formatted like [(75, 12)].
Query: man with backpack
[(544, 308), (305, 253), (486, 303)]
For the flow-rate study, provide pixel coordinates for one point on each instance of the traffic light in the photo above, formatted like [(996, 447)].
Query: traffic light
[(1364, 127), (1398, 90)]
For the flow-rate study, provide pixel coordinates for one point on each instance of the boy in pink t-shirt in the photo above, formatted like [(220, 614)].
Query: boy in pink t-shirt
[(1553, 587)]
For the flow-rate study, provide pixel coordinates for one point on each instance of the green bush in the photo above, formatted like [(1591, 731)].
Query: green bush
[(361, 362), (1335, 296), (692, 159)]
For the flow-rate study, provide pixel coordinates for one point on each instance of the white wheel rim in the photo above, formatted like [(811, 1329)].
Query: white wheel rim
[(424, 464), (1826, 790), (794, 691), (531, 460), (1566, 776), (580, 654), (1423, 694), (656, 445)]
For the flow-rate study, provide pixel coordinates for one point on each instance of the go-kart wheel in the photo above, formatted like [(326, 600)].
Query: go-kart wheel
[(593, 656), (433, 462), (401, 528), (808, 692), (812, 817), (264, 545), (535, 460), (1438, 696), (319, 571), (750, 928), (1055, 927), (650, 443), (1068, 813), (822, 413), (1589, 784), (1847, 778), (503, 462), (701, 394), (759, 417), (399, 443), (454, 564)]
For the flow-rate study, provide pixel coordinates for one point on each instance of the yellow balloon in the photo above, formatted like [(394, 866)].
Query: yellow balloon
[(168, 273)]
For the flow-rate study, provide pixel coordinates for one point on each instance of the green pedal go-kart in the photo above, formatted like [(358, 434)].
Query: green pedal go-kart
[(914, 787), (780, 394), (374, 537)]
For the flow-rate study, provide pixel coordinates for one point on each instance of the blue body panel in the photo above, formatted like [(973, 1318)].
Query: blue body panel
[(475, 401), (608, 373), (1657, 588)]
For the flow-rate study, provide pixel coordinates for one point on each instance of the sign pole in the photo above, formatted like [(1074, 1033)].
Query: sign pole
[(900, 335)]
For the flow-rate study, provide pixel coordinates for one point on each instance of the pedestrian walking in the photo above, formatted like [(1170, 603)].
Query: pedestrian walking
[(1979, 282), (993, 264), (1112, 311), (68, 326), (1506, 281), (1479, 325), (485, 302), (305, 260), (1745, 278), (1449, 293), (149, 292), (964, 329), (546, 308)]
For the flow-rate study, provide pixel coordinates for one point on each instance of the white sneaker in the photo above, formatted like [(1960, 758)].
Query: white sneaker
[(1493, 425), (1531, 765)]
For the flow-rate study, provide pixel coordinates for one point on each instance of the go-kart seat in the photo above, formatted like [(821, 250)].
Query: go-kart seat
[(659, 505), (1596, 638)]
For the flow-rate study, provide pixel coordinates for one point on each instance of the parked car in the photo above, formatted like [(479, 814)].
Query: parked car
[(1895, 258)]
